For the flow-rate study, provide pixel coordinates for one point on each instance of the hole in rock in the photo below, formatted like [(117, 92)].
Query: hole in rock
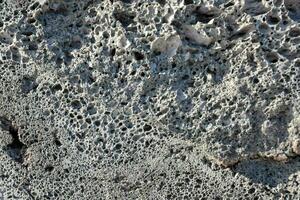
[(273, 19), (293, 7), (205, 14), (272, 57), (56, 87), (124, 18), (16, 148), (28, 84), (138, 55), (294, 32), (147, 127), (161, 2), (187, 2), (49, 168), (76, 104)]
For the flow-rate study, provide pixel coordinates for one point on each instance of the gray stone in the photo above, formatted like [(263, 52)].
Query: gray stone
[(149, 99)]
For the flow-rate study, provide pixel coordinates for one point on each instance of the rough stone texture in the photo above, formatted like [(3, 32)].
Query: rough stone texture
[(145, 99)]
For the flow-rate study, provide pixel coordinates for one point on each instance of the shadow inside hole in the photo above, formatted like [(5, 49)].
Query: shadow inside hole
[(205, 14), (16, 148), (293, 7), (125, 18), (267, 172), (28, 84)]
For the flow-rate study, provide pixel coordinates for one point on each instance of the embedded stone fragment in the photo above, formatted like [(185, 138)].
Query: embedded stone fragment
[(255, 7), (166, 45), (296, 146), (280, 157), (205, 13), (226, 162), (198, 37), (243, 31)]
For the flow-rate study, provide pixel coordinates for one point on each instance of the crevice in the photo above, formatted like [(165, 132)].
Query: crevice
[(232, 163), (16, 148), (124, 18), (28, 84), (205, 14), (242, 32)]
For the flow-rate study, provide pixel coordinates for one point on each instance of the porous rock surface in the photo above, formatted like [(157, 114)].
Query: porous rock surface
[(149, 99)]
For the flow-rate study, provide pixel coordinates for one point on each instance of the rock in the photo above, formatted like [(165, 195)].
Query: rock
[(149, 99), (296, 146), (198, 37), (166, 45)]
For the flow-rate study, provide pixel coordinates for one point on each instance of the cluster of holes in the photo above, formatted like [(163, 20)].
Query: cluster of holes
[(81, 112)]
